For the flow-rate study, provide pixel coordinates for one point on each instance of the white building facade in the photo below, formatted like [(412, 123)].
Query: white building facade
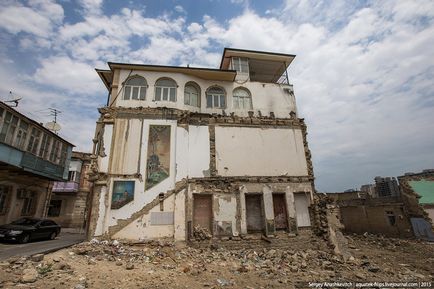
[(179, 149)]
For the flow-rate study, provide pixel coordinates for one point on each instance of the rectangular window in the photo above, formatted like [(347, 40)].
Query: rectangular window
[(240, 64), (142, 94), (34, 141), (165, 93), (21, 135), (9, 127), (158, 94), (135, 92), (4, 199), (55, 208), (29, 203), (209, 101), (127, 92), (222, 101), (63, 154), (391, 218), (54, 155), (172, 94)]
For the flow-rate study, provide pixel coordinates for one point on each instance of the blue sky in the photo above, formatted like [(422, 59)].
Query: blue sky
[(363, 75)]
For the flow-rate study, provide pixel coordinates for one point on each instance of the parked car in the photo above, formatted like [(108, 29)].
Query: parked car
[(26, 229)]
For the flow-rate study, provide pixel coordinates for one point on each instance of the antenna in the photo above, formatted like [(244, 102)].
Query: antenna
[(13, 99), (53, 125)]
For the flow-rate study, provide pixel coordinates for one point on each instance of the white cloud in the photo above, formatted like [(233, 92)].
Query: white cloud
[(64, 73), (180, 9)]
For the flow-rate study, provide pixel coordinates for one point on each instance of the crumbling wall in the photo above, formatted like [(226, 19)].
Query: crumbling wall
[(326, 224)]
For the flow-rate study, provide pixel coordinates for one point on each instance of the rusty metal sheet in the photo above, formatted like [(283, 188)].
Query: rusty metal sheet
[(202, 211), (254, 215), (280, 216)]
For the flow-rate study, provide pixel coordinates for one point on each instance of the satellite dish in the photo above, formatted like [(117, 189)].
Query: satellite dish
[(13, 99), (53, 126)]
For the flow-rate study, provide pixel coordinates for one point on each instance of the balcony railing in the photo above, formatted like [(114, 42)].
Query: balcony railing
[(70, 187)]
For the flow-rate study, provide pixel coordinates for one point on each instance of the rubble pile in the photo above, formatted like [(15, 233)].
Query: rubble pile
[(201, 234), (164, 264)]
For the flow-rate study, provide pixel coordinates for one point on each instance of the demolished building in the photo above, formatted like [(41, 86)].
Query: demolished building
[(181, 149)]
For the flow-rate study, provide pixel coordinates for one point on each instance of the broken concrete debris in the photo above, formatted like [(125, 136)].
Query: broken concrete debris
[(248, 264)]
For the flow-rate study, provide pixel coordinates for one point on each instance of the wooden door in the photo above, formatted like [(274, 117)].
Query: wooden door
[(254, 216), (302, 210), (202, 211), (280, 219)]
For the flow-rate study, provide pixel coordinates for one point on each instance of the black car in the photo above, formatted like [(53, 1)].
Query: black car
[(26, 229)]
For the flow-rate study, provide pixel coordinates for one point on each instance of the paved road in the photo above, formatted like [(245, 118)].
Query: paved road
[(63, 240)]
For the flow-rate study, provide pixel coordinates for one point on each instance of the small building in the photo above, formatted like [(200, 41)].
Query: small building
[(360, 213), (182, 149), (418, 191), (31, 158), (70, 199)]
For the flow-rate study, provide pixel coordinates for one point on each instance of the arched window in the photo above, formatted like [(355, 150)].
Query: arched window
[(215, 97), (192, 94), (165, 89), (135, 88), (242, 99)]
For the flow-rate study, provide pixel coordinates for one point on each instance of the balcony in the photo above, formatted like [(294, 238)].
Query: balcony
[(65, 187)]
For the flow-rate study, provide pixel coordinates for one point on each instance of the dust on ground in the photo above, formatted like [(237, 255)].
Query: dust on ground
[(281, 263)]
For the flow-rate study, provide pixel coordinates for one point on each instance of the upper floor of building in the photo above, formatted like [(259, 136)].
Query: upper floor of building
[(246, 81), (79, 167), (25, 144)]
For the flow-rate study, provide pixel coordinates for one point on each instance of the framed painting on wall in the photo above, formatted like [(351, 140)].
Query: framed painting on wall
[(158, 158), (123, 193)]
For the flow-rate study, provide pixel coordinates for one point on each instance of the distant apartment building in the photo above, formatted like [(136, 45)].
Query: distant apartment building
[(386, 187), (69, 199), (31, 158)]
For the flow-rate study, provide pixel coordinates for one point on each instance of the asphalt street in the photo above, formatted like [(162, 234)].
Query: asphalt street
[(8, 249)]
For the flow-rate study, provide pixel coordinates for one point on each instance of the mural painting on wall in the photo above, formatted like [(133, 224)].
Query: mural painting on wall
[(123, 193), (158, 165)]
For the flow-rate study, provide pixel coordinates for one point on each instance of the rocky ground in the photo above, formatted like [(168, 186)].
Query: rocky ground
[(162, 264)]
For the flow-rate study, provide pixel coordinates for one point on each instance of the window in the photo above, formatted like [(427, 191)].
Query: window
[(29, 203), (135, 88), (391, 218), (74, 176), (54, 155), (192, 94), (34, 140), (9, 127), (165, 89), (54, 209), (242, 99), (215, 98), (240, 64), (21, 137), (4, 199), (63, 154), (45, 146)]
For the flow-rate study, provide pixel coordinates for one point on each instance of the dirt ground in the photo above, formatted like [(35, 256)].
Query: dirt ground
[(249, 264)]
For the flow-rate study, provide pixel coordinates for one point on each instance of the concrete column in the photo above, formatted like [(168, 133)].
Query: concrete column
[(268, 210), (243, 220), (179, 217), (292, 218)]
